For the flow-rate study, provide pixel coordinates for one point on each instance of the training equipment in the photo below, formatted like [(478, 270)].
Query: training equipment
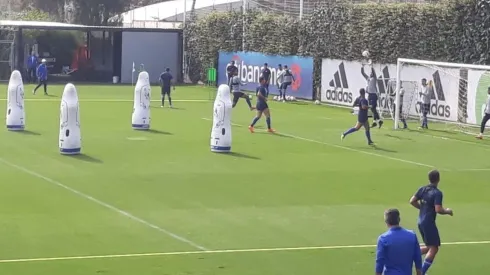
[(141, 108), (457, 94), (70, 136), (15, 103), (221, 130)]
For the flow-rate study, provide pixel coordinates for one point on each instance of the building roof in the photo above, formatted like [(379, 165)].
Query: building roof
[(41, 25), (172, 9)]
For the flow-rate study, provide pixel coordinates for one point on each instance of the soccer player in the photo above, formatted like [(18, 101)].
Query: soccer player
[(237, 94), (279, 79), (166, 85), (266, 74), (398, 248), (362, 118), (372, 90), (429, 200), (288, 78), (230, 69), (262, 107), (425, 102), (31, 67), (42, 75), (393, 95), (486, 117)]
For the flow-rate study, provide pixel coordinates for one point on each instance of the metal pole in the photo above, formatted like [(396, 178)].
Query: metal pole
[(301, 4), (244, 11), (184, 50)]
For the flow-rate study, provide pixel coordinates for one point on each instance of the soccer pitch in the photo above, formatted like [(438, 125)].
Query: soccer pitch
[(159, 202)]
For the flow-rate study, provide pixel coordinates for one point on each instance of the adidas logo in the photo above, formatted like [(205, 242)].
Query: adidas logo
[(338, 89)]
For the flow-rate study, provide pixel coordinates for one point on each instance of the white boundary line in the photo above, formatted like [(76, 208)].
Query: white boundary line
[(227, 251), (349, 149), (108, 100), (106, 205)]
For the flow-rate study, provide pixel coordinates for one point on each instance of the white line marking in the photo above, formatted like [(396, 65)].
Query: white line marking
[(350, 149), (228, 251), (473, 170), (106, 205), (108, 100), (137, 138)]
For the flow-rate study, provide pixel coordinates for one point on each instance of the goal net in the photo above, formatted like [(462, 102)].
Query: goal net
[(455, 94)]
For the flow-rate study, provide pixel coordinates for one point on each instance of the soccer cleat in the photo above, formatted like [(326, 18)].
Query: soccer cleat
[(479, 137), (270, 130), (251, 129), (161, 106), (342, 137), (33, 92), (380, 123), (252, 108), (371, 143), (374, 125), (171, 107)]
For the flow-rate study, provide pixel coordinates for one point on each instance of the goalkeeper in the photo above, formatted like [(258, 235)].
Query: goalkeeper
[(393, 95), (372, 91), (486, 117)]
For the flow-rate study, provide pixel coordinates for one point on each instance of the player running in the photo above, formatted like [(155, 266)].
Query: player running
[(486, 117), (429, 200), (362, 118), (262, 107), (237, 94)]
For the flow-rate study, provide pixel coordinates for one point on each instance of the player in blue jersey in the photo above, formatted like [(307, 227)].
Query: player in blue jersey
[(262, 107), (362, 118), (429, 200)]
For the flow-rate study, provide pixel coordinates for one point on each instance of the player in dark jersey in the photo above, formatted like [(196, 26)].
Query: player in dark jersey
[(266, 74), (429, 200), (230, 68), (237, 94), (262, 107), (166, 85), (362, 118)]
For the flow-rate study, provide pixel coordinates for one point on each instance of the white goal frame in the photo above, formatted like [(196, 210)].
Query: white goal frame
[(402, 61)]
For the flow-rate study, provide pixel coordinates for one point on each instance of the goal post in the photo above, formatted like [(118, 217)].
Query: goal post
[(456, 91)]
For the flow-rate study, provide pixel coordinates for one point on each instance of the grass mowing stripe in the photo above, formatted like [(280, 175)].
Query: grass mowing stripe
[(350, 149), (229, 251), (106, 205)]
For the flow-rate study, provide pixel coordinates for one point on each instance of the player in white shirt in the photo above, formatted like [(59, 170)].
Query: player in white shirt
[(393, 95), (279, 79), (235, 83), (486, 117), (425, 101)]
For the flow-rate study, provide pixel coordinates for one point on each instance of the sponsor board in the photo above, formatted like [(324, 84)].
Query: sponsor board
[(478, 83), (250, 65), (341, 81)]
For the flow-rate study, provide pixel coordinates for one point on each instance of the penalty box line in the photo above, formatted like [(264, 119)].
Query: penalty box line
[(104, 204), (347, 148), (225, 251)]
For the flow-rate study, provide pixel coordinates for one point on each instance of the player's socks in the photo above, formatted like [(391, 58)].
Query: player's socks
[(268, 120), (248, 102), (254, 121), (368, 136), (350, 131), (170, 101), (427, 264), (404, 123)]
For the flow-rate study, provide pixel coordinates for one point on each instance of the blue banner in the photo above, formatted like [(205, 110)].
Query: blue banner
[(250, 65)]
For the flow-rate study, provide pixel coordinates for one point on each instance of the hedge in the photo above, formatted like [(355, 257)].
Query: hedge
[(450, 31)]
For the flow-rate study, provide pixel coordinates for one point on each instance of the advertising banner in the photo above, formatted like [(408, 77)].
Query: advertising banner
[(250, 65), (478, 83), (341, 81)]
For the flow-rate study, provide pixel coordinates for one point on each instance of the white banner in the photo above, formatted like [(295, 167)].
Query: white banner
[(478, 83), (341, 81)]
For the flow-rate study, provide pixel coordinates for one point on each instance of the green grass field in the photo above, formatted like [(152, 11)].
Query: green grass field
[(159, 202)]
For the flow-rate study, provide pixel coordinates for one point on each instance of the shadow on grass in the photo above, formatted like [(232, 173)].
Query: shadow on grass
[(27, 133), (399, 138), (239, 155), (158, 132), (86, 158)]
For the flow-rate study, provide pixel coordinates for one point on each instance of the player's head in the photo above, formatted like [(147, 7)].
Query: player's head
[(167, 70), (424, 82), (392, 217), (434, 177), (285, 67), (232, 62), (279, 66), (362, 92), (266, 65), (262, 80), (43, 61)]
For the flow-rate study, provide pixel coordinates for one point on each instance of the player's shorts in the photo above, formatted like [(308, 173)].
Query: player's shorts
[(425, 108), (364, 123), (285, 85), (373, 100), (166, 90), (261, 105), (430, 234), (236, 96)]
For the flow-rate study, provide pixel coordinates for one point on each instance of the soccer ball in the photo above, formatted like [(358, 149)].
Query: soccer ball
[(275, 98), (293, 98), (317, 102), (365, 53), (250, 96)]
